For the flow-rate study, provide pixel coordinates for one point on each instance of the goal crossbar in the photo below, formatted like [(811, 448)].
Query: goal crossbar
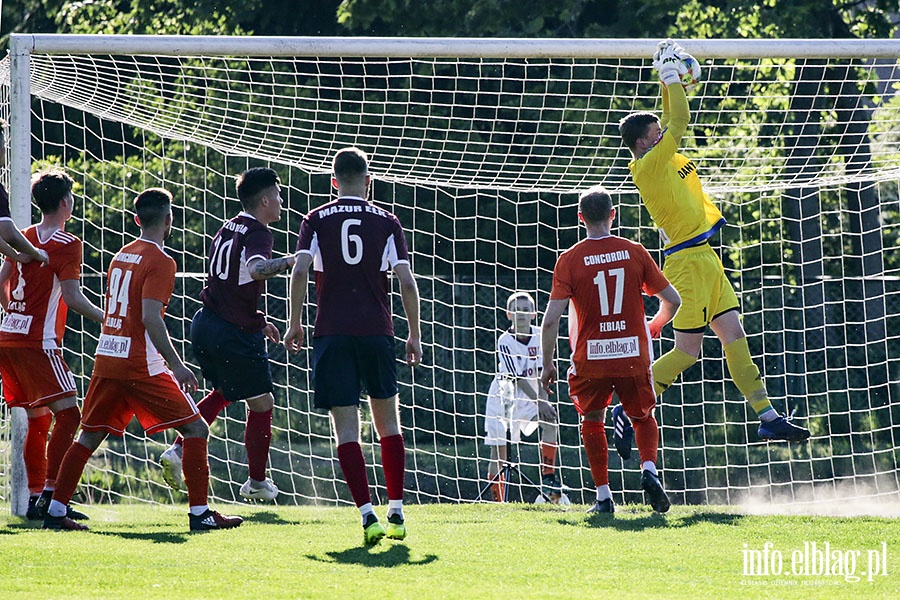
[(481, 147)]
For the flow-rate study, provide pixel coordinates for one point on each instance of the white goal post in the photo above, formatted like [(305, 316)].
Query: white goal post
[(481, 146)]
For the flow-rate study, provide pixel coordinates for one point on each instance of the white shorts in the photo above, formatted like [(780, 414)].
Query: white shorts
[(508, 409)]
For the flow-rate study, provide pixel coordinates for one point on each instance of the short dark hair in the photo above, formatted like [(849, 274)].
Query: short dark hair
[(152, 205), (635, 126), (595, 205), (351, 165), (251, 182), (49, 188)]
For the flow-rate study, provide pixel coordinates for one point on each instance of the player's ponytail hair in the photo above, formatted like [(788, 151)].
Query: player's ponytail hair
[(152, 205)]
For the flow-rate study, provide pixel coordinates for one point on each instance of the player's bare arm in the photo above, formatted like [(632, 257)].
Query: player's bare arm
[(549, 337), (5, 274), (293, 337), (76, 300), (159, 335), (267, 268), (409, 294), (669, 301), (7, 250), (13, 237)]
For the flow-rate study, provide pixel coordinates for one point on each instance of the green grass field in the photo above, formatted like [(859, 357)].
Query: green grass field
[(453, 551)]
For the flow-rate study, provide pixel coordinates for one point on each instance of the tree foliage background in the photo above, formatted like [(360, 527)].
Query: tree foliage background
[(505, 18)]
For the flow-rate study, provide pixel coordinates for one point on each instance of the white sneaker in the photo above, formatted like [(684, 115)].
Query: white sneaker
[(562, 500), (170, 461), (259, 490)]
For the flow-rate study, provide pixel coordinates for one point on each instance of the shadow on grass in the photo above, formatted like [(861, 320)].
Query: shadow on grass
[(395, 556), (17, 525), (161, 537), (631, 522), (273, 518)]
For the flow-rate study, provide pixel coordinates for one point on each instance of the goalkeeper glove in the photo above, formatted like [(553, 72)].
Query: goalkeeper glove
[(664, 45), (670, 66)]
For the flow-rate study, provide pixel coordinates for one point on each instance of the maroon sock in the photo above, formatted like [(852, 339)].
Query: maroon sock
[(67, 422), (393, 460), (70, 471), (257, 438), (354, 467), (210, 407), (35, 451)]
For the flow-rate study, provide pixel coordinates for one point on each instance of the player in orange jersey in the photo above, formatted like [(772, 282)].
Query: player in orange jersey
[(137, 371), (601, 279), (36, 299)]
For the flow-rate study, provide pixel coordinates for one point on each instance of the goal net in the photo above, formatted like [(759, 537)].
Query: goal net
[(481, 147)]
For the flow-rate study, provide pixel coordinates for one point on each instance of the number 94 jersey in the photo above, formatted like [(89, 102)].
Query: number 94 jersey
[(603, 279), (140, 271)]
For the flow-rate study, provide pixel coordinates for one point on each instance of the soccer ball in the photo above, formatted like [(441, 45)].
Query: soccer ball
[(690, 75)]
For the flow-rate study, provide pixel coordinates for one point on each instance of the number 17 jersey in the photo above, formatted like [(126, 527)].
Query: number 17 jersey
[(141, 270), (603, 279)]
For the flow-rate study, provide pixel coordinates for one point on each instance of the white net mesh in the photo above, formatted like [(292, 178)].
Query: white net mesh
[(481, 159)]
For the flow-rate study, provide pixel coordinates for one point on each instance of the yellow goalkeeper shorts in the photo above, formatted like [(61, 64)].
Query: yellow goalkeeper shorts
[(698, 275)]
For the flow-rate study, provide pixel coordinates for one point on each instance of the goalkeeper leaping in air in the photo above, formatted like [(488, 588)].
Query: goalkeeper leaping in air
[(686, 218)]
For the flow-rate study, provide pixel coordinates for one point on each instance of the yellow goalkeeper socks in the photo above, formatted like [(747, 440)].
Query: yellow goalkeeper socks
[(668, 367), (746, 377)]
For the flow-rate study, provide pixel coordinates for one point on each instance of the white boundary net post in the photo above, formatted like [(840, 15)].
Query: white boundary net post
[(20, 209)]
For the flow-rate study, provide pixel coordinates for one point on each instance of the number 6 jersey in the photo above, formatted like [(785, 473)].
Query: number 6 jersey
[(141, 270), (353, 244)]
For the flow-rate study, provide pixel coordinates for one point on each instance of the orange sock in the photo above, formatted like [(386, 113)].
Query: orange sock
[(596, 447), (195, 465), (67, 422), (646, 435), (70, 471), (548, 458), (35, 451), (498, 488)]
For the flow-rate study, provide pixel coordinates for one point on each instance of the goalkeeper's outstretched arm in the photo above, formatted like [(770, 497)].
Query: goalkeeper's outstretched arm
[(676, 110)]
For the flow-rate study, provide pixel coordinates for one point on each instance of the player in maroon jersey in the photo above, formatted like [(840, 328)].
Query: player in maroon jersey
[(12, 243), (229, 332), (352, 244)]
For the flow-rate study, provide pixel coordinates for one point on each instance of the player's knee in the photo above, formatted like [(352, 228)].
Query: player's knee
[(195, 429), (495, 432), (91, 439), (595, 415), (637, 415)]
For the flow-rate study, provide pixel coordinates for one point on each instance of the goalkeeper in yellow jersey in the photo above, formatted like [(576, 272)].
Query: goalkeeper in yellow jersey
[(686, 218)]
